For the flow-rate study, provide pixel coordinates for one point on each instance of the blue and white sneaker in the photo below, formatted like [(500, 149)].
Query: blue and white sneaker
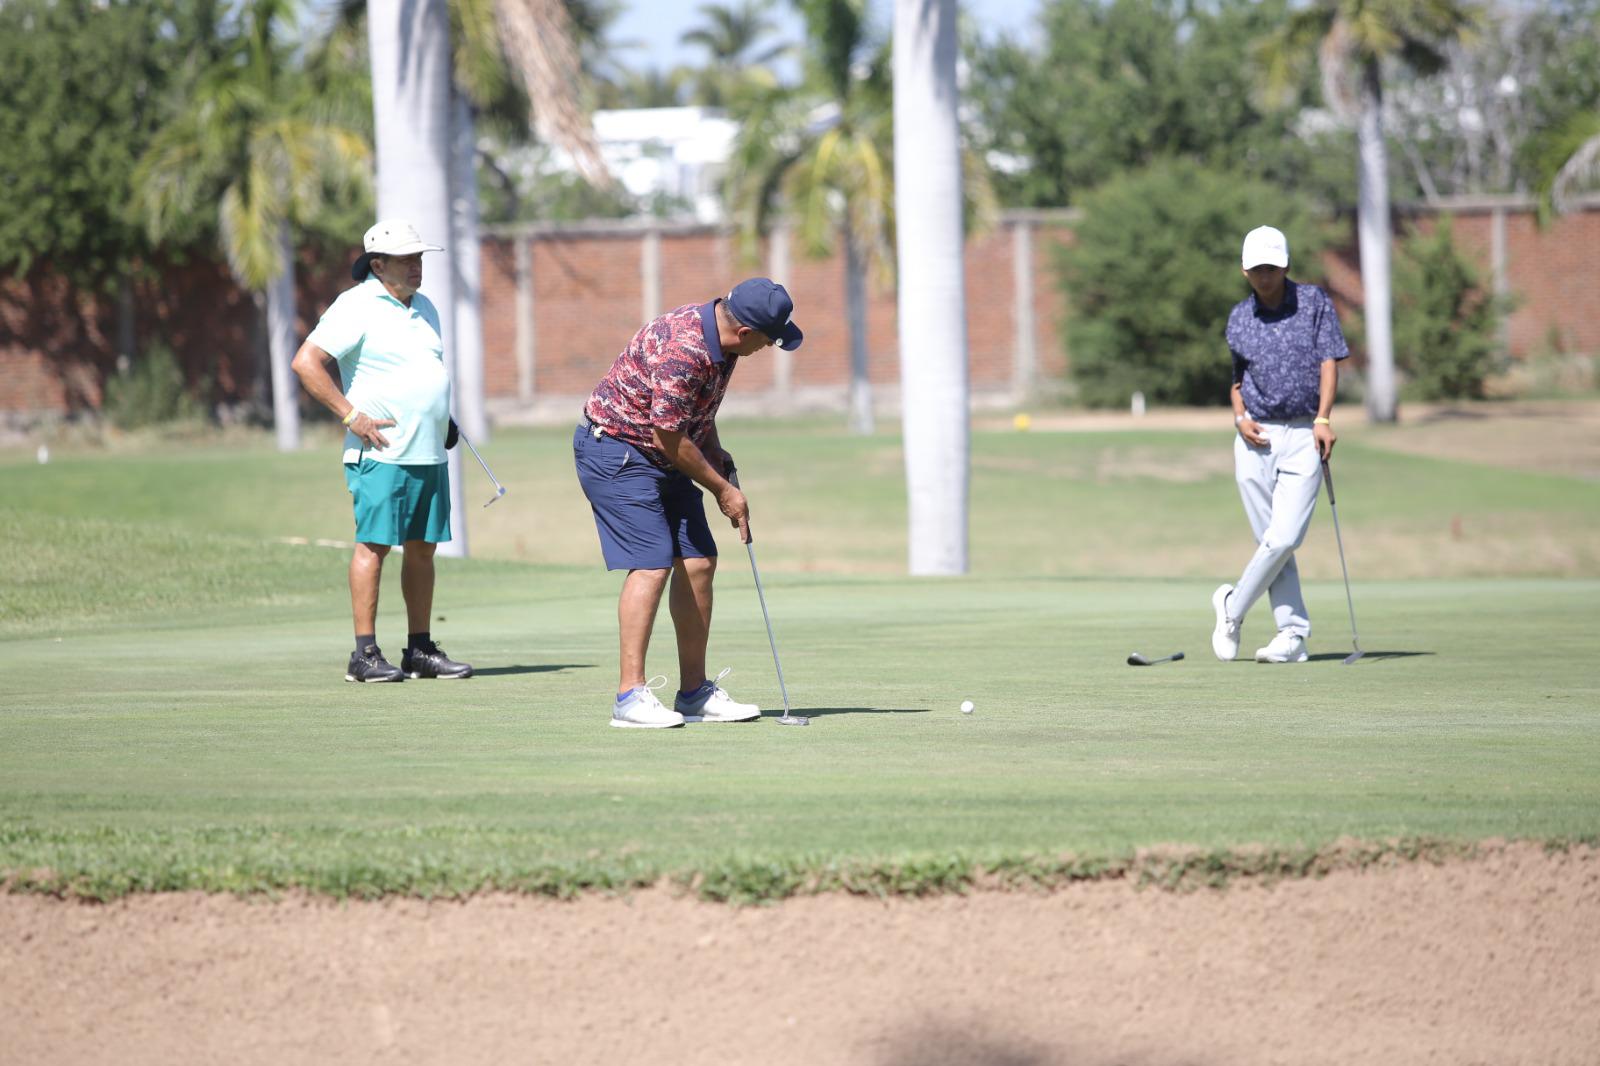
[(709, 703), (640, 709)]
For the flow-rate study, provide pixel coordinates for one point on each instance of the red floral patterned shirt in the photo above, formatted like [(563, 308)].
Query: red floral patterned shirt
[(672, 376)]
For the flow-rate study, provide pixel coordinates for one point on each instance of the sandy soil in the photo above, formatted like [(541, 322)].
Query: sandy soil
[(1494, 960)]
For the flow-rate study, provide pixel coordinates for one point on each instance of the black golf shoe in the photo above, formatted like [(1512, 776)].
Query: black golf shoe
[(429, 660), (369, 665)]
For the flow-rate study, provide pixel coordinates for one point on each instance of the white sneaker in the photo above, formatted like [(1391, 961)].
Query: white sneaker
[(1225, 637), (715, 705), (1286, 647), (641, 710)]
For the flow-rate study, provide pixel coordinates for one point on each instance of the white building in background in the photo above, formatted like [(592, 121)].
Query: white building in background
[(669, 153)]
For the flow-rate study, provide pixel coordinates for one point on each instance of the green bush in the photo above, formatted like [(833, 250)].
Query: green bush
[(151, 393), (1446, 325), (1154, 272)]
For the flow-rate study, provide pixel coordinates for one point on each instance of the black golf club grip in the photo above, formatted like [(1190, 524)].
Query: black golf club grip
[(1327, 477)]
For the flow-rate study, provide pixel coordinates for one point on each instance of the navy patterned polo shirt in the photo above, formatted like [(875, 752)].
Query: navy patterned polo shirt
[(1278, 354)]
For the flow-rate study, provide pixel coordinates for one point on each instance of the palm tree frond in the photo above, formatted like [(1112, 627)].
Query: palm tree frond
[(249, 231), (480, 67), (538, 39), (1579, 174)]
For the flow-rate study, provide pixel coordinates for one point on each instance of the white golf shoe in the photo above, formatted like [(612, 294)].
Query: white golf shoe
[(1225, 637), (1286, 647), (712, 704), (641, 710)]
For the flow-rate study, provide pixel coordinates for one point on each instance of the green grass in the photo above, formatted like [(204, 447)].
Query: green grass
[(172, 714)]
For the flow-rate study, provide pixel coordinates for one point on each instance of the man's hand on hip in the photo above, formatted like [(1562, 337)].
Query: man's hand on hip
[(367, 428)]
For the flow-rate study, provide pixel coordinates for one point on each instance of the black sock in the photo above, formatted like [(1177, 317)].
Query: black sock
[(365, 639), (417, 640)]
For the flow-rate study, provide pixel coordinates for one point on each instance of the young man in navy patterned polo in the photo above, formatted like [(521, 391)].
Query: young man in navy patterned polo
[(1286, 346), (648, 436)]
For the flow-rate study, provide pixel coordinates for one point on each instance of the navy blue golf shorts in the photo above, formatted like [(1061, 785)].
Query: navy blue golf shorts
[(646, 516)]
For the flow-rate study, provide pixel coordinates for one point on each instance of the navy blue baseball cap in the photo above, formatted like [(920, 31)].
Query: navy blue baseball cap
[(763, 304)]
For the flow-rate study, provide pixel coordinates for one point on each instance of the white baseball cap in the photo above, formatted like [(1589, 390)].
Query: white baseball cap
[(393, 236), (1265, 246)]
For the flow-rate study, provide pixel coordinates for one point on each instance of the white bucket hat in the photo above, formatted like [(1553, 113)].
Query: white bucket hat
[(393, 236), (1265, 246)]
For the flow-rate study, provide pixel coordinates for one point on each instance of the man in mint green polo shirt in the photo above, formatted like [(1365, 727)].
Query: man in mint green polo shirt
[(395, 406)]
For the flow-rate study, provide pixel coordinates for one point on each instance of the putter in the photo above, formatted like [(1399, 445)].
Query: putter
[(789, 717), (1355, 639), (1139, 660), (499, 489)]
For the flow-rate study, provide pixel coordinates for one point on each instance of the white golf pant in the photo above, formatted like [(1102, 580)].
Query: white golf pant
[(1279, 485)]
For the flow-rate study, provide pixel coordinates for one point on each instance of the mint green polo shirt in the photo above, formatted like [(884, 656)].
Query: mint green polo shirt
[(391, 359)]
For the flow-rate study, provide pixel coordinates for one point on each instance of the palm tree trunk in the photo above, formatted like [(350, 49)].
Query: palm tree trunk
[(464, 254), (855, 298), (281, 346), (409, 41), (1372, 223), (932, 298)]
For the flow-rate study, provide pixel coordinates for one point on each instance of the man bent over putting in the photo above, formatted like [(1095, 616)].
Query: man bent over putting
[(647, 439)]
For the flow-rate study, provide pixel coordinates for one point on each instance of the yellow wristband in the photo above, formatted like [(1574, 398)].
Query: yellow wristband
[(1322, 421), (351, 417)]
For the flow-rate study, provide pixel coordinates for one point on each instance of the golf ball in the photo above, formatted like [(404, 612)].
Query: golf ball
[(966, 706)]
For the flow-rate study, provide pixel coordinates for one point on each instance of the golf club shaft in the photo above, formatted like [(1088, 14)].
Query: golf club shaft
[(478, 457), (761, 595), (755, 572), (1327, 477)]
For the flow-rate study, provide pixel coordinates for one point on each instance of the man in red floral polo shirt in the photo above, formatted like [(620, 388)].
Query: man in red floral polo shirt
[(648, 437)]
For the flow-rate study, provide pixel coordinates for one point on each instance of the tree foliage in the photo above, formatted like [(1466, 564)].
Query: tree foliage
[(1446, 336), (739, 51), (1116, 86), (1507, 109), (86, 85), (1154, 271), (254, 147), (821, 151)]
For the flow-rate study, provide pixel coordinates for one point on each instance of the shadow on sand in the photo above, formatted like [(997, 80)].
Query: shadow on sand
[(942, 1045)]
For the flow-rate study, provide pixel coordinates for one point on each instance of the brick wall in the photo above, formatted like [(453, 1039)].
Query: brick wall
[(590, 286), (58, 344)]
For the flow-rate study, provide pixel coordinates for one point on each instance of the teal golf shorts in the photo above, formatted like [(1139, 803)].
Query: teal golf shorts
[(394, 504)]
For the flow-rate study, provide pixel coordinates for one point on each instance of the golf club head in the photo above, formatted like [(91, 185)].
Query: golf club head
[(1139, 660), (792, 719), (1353, 656), (499, 491)]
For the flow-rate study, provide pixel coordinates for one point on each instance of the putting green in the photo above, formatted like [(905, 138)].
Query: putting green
[(174, 714)]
